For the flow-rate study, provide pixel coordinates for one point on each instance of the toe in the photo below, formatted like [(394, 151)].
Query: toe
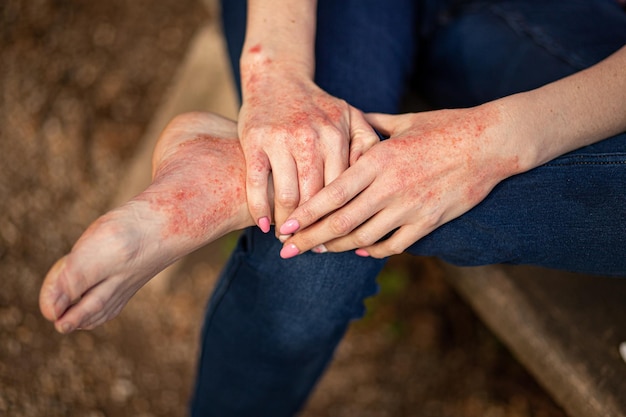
[(53, 300)]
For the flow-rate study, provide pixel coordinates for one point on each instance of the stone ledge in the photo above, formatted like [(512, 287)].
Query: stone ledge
[(565, 328)]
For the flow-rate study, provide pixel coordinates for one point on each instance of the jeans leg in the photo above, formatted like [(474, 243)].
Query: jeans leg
[(568, 214), (272, 325), (487, 49)]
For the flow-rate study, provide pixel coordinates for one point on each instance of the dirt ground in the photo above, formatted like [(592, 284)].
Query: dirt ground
[(79, 82)]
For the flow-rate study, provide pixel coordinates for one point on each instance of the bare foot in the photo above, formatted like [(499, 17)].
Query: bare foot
[(196, 196)]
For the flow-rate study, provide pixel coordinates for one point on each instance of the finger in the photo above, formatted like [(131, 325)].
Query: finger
[(257, 173), (338, 224), (362, 135), (386, 124), (368, 233), (286, 187), (396, 244), (328, 199), (310, 178), (336, 160)]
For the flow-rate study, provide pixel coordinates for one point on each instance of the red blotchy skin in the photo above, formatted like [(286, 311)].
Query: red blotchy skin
[(207, 195), (255, 49), (443, 151)]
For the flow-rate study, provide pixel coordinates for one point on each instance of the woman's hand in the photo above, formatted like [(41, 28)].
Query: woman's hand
[(303, 136), (434, 167)]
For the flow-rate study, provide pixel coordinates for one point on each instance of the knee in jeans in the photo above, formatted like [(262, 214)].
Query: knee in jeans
[(297, 339)]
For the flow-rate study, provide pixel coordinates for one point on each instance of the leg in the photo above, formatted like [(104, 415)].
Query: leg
[(196, 196), (272, 325), (569, 213)]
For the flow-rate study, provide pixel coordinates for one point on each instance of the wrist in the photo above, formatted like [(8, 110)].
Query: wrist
[(259, 59), (263, 75), (280, 34), (519, 132)]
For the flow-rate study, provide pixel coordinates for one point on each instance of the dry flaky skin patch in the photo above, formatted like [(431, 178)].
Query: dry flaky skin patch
[(79, 82)]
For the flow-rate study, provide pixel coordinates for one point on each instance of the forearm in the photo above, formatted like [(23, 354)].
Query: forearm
[(280, 34), (568, 114)]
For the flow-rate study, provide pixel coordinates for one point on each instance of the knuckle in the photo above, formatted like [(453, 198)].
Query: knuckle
[(393, 248), (431, 221), (256, 207), (254, 132), (337, 194), (307, 214), (340, 224), (362, 238), (288, 200), (332, 133), (256, 179)]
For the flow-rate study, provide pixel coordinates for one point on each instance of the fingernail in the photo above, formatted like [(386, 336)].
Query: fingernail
[(283, 238), (289, 227), (289, 251), (362, 252), (264, 224), (319, 249)]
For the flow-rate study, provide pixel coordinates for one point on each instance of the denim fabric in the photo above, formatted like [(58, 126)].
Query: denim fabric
[(566, 214), (272, 325)]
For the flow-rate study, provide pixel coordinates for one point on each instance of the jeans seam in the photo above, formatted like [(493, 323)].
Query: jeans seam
[(586, 163), (220, 291), (517, 22), (588, 160)]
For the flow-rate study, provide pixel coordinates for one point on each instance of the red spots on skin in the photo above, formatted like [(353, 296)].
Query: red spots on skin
[(198, 187), (255, 49)]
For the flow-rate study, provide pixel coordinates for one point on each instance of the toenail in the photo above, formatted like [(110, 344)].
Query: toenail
[(362, 252), (66, 328)]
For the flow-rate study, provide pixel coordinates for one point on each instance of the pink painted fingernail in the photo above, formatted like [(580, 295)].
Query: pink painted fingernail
[(362, 252), (290, 226), (283, 238), (289, 251), (319, 249), (264, 224)]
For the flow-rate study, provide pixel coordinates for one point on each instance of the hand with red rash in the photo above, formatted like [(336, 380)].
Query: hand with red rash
[(302, 135), (434, 167)]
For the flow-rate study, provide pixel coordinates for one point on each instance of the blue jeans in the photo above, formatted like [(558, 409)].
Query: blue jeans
[(272, 325)]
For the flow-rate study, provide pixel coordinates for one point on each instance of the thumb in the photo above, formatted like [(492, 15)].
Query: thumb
[(362, 135), (386, 124)]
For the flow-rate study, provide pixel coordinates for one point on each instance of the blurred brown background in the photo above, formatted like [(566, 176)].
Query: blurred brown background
[(80, 81)]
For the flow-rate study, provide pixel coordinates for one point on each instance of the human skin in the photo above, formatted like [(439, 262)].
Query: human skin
[(288, 125), (438, 165), (197, 195), (435, 166)]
